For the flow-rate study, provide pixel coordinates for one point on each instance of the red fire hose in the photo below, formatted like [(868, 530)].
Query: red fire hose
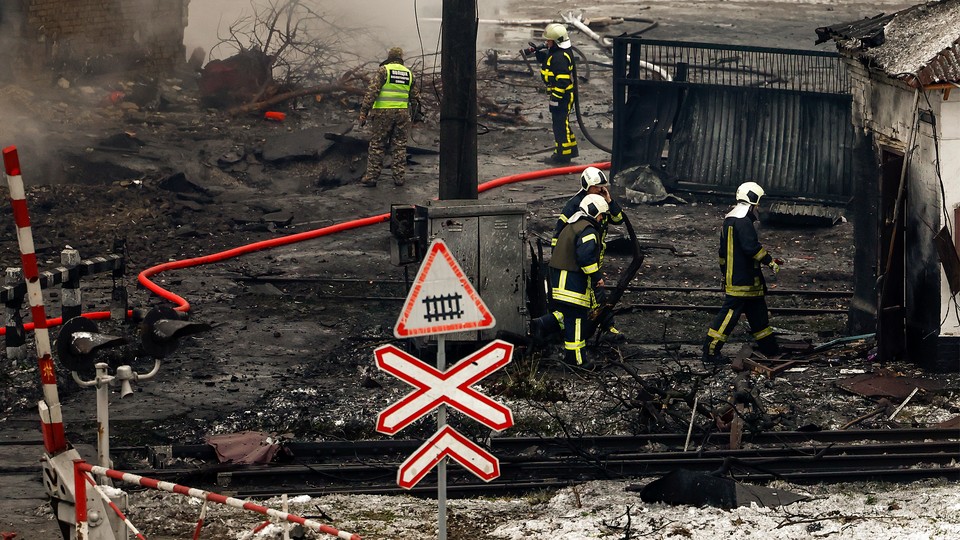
[(184, 306)]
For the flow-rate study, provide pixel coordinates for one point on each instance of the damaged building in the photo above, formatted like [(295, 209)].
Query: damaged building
[(91, 36), (872, 128), (903, 68)]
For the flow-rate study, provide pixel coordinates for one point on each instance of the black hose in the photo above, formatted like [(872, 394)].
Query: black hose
[(576, 105), (651, 24)]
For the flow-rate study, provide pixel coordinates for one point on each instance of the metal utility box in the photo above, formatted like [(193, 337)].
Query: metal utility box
[(489, 243)]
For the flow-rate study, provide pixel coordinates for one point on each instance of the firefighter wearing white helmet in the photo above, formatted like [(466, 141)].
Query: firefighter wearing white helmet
[(574, 277), (558, 71), (557, 33), (741, 257), (750, 193), (593, 181)]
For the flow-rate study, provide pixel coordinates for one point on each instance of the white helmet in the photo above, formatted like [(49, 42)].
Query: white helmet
[(749, 192), (592, 176), (557, 33), (593, 205)]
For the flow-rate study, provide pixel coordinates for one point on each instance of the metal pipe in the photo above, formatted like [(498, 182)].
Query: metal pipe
[(103, 417)]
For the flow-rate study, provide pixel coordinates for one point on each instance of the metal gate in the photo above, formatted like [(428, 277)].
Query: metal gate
[(713, 116)]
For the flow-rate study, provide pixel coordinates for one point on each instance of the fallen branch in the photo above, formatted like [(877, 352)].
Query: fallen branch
[(884, 406), (280, 98)]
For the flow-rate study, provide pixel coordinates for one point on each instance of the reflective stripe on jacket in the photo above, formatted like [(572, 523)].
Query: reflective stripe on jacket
[(740, 258), (575, 263), (557, 73), (572, 206), (395, 92)]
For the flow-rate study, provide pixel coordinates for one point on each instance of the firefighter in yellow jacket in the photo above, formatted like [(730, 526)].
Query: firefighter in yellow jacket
[(574, 277), (387, 103), (741, 256), (557, 70)]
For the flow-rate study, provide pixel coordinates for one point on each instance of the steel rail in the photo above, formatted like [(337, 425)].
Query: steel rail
[(907, 454), (637, 288), (610, 443), (923, 459), (474, 488)]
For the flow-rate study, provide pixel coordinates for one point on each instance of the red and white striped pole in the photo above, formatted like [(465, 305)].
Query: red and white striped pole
[(80, 498), (216, 498), (106, 500), (51, 417)]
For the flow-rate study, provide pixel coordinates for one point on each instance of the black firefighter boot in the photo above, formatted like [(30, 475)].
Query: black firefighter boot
[(769, 346), (543, 327), (716, 357)]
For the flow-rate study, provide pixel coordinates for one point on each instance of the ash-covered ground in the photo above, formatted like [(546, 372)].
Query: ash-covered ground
[(294, 327)]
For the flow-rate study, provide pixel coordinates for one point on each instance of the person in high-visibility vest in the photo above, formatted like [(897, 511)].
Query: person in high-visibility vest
[(388, 102)]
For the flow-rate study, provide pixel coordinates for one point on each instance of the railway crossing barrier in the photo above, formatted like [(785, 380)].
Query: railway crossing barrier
[(78, 343), (83, 516)]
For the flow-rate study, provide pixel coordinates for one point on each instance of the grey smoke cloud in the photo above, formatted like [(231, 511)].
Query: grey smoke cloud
[(370, 26)]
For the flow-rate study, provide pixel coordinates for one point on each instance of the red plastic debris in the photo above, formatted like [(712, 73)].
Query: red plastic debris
[(275, 115)]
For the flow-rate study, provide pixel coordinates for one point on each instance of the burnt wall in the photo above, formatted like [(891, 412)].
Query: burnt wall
[(100, 35)]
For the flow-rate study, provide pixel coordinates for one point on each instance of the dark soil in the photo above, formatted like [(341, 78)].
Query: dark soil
[(293, 355)]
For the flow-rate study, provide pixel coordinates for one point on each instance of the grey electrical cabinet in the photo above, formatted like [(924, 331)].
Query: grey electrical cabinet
[(488, 241)]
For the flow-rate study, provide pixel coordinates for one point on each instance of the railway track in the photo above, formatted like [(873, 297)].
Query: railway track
[(531, 463), (395, 291)]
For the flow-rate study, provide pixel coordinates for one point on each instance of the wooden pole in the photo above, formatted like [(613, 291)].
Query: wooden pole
[(458, 106)]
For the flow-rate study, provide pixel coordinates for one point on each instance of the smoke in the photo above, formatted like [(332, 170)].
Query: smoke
[(367, 28)]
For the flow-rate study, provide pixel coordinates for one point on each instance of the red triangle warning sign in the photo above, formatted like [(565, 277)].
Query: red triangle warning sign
[(441, 300)]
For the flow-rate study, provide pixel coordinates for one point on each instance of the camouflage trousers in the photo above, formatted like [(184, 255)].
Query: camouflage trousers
[(389, 129)]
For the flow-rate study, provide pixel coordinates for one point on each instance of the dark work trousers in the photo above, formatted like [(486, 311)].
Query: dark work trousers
[(755, 307), (574, 332), (572, 320), (566, 141)]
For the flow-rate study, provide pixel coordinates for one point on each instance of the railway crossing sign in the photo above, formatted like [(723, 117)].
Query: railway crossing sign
[(452, 387), (441, 301), (447, 442)]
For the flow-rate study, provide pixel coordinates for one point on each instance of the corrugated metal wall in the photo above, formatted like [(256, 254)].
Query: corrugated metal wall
[(731, 113), (790, 142)]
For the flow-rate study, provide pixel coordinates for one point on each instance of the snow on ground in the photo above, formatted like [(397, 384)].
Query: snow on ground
[(924, 510)]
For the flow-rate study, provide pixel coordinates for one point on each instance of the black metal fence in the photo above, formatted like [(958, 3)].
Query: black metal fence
[(741, 66), (711, 116)]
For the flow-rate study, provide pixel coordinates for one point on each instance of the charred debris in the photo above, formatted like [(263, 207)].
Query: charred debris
[(279, 68)]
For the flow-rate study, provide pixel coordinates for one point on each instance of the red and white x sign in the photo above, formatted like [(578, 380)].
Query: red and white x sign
[(447, 442), (452, 387)]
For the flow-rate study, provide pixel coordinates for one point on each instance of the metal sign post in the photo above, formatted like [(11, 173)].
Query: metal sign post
[(442, 467), (442, 301)]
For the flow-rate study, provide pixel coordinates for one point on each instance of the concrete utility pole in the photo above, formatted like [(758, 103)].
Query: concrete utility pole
[(458, 107)]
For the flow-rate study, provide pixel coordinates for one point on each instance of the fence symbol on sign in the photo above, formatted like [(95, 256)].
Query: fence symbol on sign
[(441, 307), (441, 300)]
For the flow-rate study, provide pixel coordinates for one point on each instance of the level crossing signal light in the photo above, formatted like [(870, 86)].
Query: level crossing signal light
[(408, 232), (162, 328)]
